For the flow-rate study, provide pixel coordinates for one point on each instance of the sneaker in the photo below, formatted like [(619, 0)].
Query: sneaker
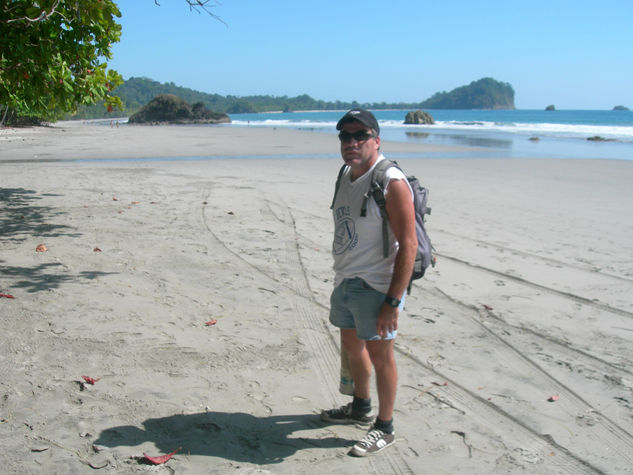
[(344, 415), (374, 441)]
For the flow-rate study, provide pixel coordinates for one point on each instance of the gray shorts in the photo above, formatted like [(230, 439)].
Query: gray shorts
[(354, 304)]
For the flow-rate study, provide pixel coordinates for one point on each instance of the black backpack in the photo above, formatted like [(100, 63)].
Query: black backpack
[(424, 255)]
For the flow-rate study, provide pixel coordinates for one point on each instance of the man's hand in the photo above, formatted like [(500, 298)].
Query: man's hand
[(387, 320)]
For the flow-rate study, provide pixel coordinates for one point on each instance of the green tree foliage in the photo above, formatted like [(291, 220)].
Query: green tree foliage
[(53, 56)]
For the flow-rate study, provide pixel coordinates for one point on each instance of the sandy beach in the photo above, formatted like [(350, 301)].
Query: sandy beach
[(195, 292)]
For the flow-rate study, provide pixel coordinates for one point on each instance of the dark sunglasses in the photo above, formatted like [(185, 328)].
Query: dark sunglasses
[(359, 136)]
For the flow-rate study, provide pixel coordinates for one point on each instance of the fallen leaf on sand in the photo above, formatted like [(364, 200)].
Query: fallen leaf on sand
[(96, 249), (487, 307), (210, 323), (99, 464), (136, 202), (161, 458), (553, 398), (439, 384), (40, 448), (114, 198), (90, 380), (41, 248), (231, 213), (6, 296)]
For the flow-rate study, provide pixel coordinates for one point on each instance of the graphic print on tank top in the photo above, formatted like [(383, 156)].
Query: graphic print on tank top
[(345, 236)]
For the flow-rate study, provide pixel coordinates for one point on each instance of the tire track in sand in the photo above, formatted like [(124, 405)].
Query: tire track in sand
[(614, 437), (599, 429)]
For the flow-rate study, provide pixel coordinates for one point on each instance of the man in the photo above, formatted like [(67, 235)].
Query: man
[(369, 288)]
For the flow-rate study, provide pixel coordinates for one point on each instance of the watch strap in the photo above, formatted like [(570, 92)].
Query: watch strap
[(392, 301)]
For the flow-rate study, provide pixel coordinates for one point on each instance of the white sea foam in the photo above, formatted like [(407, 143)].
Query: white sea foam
[(621, 133)]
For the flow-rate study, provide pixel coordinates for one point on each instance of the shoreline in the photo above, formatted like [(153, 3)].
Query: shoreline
[(82, 141), (532, 298)]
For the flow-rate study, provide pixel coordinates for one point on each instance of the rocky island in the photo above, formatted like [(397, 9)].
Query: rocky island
[(486, 93), (171, 109), (418, 117)]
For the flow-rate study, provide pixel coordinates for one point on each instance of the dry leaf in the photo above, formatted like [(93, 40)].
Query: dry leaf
[(41, 248), (90, 380)]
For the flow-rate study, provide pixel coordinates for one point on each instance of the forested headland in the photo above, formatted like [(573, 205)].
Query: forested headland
[(485, 93)]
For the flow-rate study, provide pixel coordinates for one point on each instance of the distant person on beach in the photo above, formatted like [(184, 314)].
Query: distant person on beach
[(369, 288)]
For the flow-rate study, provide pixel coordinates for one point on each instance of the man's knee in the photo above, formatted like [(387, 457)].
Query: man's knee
[(381, 353)]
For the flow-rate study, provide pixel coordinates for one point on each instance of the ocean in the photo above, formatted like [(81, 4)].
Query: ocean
[(487, 133)]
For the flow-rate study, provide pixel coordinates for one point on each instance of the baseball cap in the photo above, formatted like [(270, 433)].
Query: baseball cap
[(361, 115)]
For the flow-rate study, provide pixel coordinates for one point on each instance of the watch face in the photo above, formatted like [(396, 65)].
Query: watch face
[(394, 302)]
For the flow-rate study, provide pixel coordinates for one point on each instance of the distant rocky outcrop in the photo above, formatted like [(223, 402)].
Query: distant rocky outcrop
[(485, 93), (620, 108), (171, 109), (418, 117), (550, 108), (597, 138)]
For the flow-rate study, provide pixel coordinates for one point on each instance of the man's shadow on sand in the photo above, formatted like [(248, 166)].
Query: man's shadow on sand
[(237, 436)]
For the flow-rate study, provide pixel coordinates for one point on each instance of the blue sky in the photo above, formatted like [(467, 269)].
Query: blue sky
[(575, 54)]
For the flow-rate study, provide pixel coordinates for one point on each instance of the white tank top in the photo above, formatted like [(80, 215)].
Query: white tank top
[(357, 246)]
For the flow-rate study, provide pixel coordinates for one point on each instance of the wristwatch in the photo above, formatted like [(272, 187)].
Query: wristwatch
[(394, 302)]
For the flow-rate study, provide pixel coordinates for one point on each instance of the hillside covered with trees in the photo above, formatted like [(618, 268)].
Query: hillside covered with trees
[(486, 93)]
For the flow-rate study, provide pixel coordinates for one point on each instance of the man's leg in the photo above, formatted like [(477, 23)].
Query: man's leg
[(381, 435), (359, 362), (359, 410), (382, 357)]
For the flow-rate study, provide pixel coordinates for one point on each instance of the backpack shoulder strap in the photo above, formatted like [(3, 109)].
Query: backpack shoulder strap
[(338, 184), (376, 189), (377, 185)]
